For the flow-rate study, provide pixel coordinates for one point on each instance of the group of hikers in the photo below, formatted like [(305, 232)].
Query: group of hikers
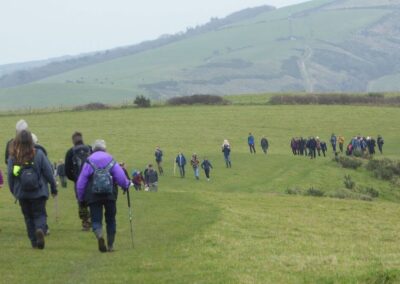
[(96, 176), (362, 145), (312, 146)]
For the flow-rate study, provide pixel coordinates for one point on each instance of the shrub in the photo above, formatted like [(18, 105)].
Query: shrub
[(142, 101), (348, 182), (385, 169), (197, 99), (314, 192), (341, 194), (92, 106), (370, 191), (294, 191), (350, 163), (334, 99)]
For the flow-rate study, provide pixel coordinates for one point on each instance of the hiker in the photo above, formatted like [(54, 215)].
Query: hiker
[(312, 145), (341, 143), (302, 146), (250, 141), (380, 143), (159, 157), (122, 165), (226, 149), (371, 145), (206, 166), (324, 148), (151, 178), (305, 147), (293, 146), (74, 161), (1, 179), (61, 173), (318, 146), (264, 145), (29, 173), (181, 162), (333, 142), (97, 186), (195, 163), (137, 180)]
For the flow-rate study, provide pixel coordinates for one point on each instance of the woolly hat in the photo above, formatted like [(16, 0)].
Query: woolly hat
[(21, 125)]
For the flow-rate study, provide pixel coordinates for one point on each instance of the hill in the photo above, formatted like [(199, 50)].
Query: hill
[(318, 46), (238, 228)]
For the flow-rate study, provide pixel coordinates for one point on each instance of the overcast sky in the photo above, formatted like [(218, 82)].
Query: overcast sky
[(39, 29)]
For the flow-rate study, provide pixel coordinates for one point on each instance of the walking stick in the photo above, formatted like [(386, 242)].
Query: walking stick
[(130, 214), (56, 207)]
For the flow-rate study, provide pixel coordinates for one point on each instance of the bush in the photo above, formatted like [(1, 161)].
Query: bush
[(385, 169), (294, 191), (197, 99), (350, 163), (92, 106), (370, 191), (348, 182), (314, 192), (341, 194), (142, 101), (334, 99)]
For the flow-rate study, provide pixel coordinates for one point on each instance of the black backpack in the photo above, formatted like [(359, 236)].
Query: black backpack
[(102, 181), (80, 154), (29, 178)]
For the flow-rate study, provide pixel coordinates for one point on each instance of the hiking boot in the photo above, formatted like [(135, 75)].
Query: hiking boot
[(102, 244), (111, 249), (110, 242), (39, 238), (100, 240)]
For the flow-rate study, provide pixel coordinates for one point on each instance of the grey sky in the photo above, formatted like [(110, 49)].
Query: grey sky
[(39, 29)]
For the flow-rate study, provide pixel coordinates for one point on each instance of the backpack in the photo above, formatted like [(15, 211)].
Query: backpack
[(102, 181), (29, 178), (80, 154)]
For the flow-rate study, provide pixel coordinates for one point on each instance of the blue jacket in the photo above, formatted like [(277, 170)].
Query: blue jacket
[(250, 140), (180, 160), (45, 170)]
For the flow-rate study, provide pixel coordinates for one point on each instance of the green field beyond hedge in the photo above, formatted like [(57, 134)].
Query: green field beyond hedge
[(240, 227)]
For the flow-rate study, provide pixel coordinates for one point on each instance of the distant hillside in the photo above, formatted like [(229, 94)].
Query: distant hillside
[(318, 46)]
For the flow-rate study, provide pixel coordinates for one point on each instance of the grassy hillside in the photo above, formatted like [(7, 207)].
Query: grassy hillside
[(238, 228), (321, 45)]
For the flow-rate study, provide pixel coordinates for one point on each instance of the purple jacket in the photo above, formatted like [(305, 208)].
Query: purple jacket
[(100, 159)]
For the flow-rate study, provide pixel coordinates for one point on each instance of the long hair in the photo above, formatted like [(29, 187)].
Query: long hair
[(23, 150)]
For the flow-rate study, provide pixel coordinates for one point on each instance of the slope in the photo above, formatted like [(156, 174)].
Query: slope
[(317, 46)]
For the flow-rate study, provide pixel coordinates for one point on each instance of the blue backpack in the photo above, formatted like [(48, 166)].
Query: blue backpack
[(102, 181)]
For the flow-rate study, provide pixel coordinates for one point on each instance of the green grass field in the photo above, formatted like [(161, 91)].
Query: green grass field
[(238, 228)]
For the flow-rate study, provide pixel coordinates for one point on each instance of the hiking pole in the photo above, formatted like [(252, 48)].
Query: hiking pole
[(56, 207), (130, 214)]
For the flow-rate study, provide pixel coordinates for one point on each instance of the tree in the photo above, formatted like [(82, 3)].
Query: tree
[(142, 101)]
